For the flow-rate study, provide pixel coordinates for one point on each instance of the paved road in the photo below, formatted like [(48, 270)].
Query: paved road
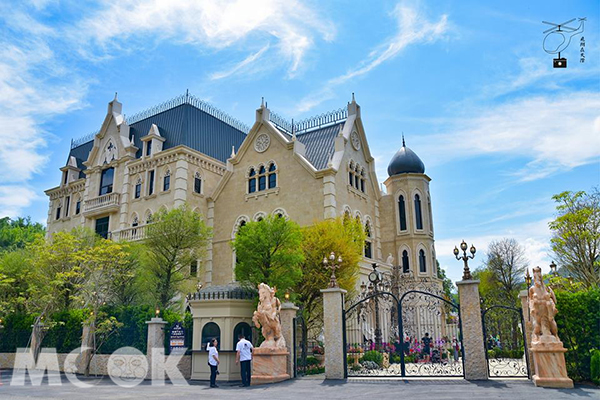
[(306, 389)]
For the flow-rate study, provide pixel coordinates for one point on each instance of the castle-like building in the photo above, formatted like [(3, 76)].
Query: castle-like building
[(186, 151)]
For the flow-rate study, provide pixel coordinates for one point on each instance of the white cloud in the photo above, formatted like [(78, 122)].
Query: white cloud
[(215, 24), (555, 133), (242, 65), (534, 237), (34, 86), (412, 27)]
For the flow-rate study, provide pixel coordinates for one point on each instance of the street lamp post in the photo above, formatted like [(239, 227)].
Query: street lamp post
[(333, 266), (553, 269), (375, 278), (465, 257)]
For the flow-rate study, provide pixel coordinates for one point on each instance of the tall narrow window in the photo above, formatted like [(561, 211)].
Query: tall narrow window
[(272, 176), (150, 182), (252, 181), (430, 214), (356, 178), (167, 181), (368, 244), (58, 212), (405, 262), (102, 227), (350, 178), (194, 268), (418, 213), (138, 189), (402, 212), (67, 204), (362, 181), (65, 177), (106, 181), (197, 183), (148, 147), (78, 207), (422, 262), (262, 179)]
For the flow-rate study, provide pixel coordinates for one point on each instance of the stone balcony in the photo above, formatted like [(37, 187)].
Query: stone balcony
[(102, 204), (132, 234)]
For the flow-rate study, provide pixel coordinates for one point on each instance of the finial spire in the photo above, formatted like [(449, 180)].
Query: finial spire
[(262, 102), (353, 97), (115, 99), (403, 144), (232, 152), (293, 130)]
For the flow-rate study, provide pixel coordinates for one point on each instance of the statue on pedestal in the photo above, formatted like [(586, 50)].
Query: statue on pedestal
[(546, 347), (542, 303), (267, 316), (269, 361)]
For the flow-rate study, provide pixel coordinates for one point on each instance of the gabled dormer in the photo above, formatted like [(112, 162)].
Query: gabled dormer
[(152, 142), (70, 172)]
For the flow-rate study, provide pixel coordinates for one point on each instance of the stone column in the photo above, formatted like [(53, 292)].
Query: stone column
[(181, 182), (333, 304), (156, 339), (528, 326), (287, 315), (475, 363)]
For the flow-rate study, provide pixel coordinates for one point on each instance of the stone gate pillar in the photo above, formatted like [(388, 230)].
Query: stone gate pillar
[(156, 339), (87, 341), (333, 305), (472, 330), (287, 315), (523, 296)]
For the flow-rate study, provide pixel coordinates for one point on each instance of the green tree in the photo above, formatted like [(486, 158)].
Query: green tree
[(269, 251), (16, 276), (507, 262), (576, 235), (173, 241), (18, 233), (344, 237)]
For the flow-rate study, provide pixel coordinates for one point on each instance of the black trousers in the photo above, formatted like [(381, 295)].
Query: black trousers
[(213, 374), (246, 372)]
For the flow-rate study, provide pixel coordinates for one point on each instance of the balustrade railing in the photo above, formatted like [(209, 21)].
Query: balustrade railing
[(130, 234), (107, 200)]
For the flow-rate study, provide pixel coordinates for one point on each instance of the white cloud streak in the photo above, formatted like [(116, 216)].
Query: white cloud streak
[(242, 65), (34, 86), (556, 133), (412, 27), (213, 24)]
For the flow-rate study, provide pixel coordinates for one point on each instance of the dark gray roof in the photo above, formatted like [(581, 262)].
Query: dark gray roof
[(183, 124), (405, 161), (81, 154), (320, 144)]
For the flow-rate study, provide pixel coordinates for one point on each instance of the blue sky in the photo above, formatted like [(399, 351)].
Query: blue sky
[(499, 130)]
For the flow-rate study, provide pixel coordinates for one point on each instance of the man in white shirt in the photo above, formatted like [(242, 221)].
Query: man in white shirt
[(244, 356)]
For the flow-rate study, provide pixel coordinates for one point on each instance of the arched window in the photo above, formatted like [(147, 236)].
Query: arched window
[(148, 217), (402, 212), (430, 213), (78, 206), (197, 183), (135, 222), (252, 181), (362, 181), (405, 262), (138, 188), (244, 328), (106, 181), (418, 213), (262, 179), (422, 262), (272, 176), (167, 181), (211, 331), (356, 177), (368, 244)]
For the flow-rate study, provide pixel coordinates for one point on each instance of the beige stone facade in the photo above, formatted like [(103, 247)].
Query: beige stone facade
[(319, 175)]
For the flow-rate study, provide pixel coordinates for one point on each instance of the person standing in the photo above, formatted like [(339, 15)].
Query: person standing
[(244, 357), (213, 362)]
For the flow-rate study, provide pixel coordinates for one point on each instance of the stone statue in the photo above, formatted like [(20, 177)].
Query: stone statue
[(390, 259), (267, 316), (542, 304)]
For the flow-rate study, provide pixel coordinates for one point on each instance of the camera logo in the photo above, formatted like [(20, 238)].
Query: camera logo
[(558, 38)]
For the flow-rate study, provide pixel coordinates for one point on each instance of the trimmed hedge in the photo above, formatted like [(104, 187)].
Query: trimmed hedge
[(65, 336), (578, 321)]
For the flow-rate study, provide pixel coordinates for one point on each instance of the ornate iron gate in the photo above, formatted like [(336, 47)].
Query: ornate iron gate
[(505, 342), (300, 346), (418, 335)]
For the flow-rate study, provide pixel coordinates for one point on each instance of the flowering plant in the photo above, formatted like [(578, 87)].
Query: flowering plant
[(318, 350)]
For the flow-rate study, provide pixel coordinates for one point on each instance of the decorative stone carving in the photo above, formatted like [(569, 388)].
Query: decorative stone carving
[(110, 152), (548, 351), (355, 140), (390, 259), (262, 142), (267, 316), (542, 303)]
